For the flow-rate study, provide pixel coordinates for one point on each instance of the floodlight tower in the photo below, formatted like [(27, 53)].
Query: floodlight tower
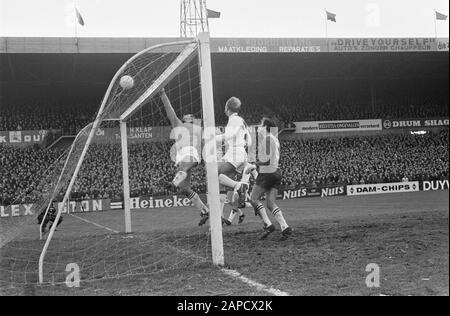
[(193, 18)]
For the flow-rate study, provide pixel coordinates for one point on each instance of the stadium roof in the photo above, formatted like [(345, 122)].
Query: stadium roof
[(62, 68), (224, 45)]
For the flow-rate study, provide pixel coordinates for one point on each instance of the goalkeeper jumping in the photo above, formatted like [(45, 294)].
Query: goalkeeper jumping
[(188, 135)]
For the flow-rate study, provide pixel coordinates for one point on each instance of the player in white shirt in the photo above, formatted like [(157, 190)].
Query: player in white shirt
[(269, 178), (188, 135), (236, 139)]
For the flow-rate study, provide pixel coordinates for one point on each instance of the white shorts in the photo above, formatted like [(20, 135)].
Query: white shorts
[(237, 157), (187, 154)]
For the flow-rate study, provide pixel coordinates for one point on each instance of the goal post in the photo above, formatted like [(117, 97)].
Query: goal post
[(209, 136), (67, 194), (152, 69), (125, 176)]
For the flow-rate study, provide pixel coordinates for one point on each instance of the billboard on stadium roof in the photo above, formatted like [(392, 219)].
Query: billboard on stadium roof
[(384, 44), (268, 45), (223, 45)]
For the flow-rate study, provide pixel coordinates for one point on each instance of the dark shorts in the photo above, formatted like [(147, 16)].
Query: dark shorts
[(269, 181)]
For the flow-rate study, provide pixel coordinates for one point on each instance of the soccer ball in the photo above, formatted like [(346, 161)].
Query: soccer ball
[(126, 82)]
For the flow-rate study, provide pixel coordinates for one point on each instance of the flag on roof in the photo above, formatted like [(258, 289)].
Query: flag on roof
[(79, 17), (331, 16), (213, 14), (440, 16)]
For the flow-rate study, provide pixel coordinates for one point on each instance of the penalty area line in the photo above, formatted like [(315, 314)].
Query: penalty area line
[(95, 224), (258, 286)]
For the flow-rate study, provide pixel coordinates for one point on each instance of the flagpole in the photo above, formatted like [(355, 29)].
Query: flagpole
[(203, 9), (435, 27), (76, 22), (326, 27)]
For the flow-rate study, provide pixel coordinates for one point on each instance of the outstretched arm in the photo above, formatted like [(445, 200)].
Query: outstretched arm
[(173, 118)]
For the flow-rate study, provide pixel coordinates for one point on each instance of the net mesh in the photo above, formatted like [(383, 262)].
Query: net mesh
[(165, 232)]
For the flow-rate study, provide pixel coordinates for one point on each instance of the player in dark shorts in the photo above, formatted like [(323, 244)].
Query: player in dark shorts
[(268, 181), (269, 178), (50, 218)]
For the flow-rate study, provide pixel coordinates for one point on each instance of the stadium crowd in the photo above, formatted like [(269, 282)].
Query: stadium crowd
[(359, 160), (21, 170), (50, 115), (73, 116), (315, 109), (311, 162)]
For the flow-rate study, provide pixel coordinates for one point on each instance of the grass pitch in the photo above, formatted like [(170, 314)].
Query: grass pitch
[(406, 235)]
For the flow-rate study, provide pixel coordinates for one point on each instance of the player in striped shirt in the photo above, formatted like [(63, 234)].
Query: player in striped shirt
[(269, 178)]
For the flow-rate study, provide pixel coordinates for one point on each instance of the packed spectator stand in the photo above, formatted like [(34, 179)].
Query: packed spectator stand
[(310, 162), (306, 162), (74, 115)]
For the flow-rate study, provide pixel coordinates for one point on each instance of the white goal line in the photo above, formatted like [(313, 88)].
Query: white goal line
[(95, 224), (258, 286)]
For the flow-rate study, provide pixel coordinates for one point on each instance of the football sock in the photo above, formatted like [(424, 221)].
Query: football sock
[(197, 202), (279, 217), (261, 211), (233, 213), (226, 181), (179, 178)]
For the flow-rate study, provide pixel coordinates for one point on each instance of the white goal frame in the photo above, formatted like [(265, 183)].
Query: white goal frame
[(198, 47)]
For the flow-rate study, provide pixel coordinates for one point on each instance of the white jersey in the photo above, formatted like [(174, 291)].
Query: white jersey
[(188, 140), (236, 133), (187, 135), (236, 138)]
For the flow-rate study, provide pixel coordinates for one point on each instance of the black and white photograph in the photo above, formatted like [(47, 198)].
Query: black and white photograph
[(224, 154)]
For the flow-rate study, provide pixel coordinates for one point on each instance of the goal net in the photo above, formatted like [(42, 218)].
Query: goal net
[(101, 236)]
